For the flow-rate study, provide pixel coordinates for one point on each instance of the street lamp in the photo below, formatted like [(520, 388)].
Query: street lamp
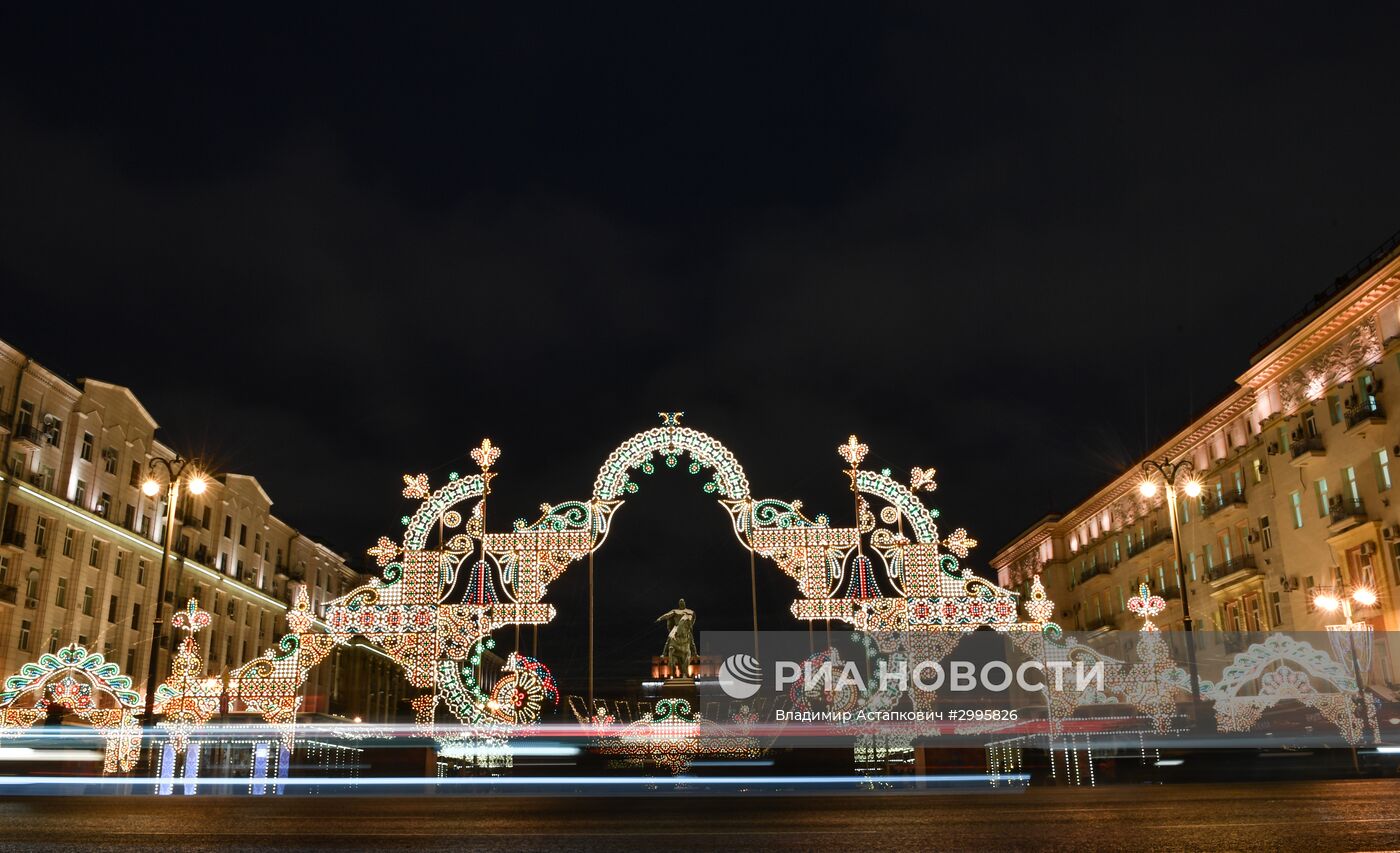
[(1170, 474), (1340, 600), (176, 470)]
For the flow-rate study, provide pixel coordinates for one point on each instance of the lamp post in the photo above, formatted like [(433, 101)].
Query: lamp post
[(176, 469), (1170, 473), (1340, 599)]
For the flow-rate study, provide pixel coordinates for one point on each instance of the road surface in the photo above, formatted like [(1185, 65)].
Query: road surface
[(1315, 816)]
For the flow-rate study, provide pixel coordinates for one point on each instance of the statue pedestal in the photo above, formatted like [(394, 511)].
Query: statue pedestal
[(679, 688)]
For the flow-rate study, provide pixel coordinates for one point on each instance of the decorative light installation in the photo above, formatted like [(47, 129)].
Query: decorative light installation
[(187, 699), (271, 685), (434, 606), (86, 684), (1146, 605), (671, 737)]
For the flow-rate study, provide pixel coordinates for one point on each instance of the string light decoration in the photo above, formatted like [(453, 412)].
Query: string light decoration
[(1146, 605), (187, 699), (271, 685), (1278, 669), (85, 683), (426, 620), (671, 737)]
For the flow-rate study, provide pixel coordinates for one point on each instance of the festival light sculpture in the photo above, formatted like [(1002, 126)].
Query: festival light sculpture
[(85, 683), (436, 602), (187, 699)]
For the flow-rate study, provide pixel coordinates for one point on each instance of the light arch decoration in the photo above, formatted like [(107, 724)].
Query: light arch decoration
[(1279, 669), (436, 605), (85, 683)]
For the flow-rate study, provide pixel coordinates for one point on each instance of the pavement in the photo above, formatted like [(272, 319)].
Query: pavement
[(1313, 816)]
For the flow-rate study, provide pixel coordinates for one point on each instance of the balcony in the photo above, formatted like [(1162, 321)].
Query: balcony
[(1366, 413), (1307, 449), (27, 435), (1100, 624), (9, 594), (12, 539), (1094, 572), (1236, 569), (1156, 537), (1345, 513), (1229, 500)]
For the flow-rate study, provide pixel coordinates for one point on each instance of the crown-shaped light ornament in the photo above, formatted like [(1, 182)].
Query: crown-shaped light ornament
[(415, 487), (1146, 605), (853, 451), (922, 478), (486, 454), (192, 619)]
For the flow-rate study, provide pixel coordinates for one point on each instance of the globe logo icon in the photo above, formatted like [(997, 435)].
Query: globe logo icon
[(740, 676)]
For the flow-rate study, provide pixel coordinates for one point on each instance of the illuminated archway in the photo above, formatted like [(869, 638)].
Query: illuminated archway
[(88, 685), (435, 608)]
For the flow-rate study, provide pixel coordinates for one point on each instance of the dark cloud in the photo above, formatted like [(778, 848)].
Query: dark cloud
[(1016, 245)]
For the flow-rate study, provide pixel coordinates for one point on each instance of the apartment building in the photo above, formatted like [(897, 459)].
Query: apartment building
[(1298, 467), (80, 546)]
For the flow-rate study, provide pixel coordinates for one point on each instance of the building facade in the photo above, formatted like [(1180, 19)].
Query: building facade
[(1299, 466), (80, 547)]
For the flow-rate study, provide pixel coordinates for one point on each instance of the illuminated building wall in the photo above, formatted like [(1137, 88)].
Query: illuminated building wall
[(80, 545), (1301, 481)]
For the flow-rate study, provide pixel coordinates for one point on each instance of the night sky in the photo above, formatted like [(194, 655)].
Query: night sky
[(1017, 245)]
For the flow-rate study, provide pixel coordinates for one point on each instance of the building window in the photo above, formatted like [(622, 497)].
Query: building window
[(242, 535), (1266, 533), (228, 527), (61, 598), (80, 494), (204, 522), (104, 505), (53, 640), (86, 451), (95, 554), (1258, 466), (136, 617), (1320, 487), (112, 610), (1191, 561), (1382, 469), (129, 519), (109, 460), (1349, 485), (1334, 409), (135, 478), (24, 628), (141, 572), (41, 532), (131, 659), (1309, 424), (1295, 500), (31, 590), (87, 600), (1184, 511), (68, 536)]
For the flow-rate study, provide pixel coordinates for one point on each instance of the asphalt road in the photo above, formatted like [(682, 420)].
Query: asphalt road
[(1348, 815)]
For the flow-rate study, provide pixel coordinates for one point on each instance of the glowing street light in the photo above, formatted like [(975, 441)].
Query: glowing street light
[(1340, 600), (177, 470), (1170, 474)]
